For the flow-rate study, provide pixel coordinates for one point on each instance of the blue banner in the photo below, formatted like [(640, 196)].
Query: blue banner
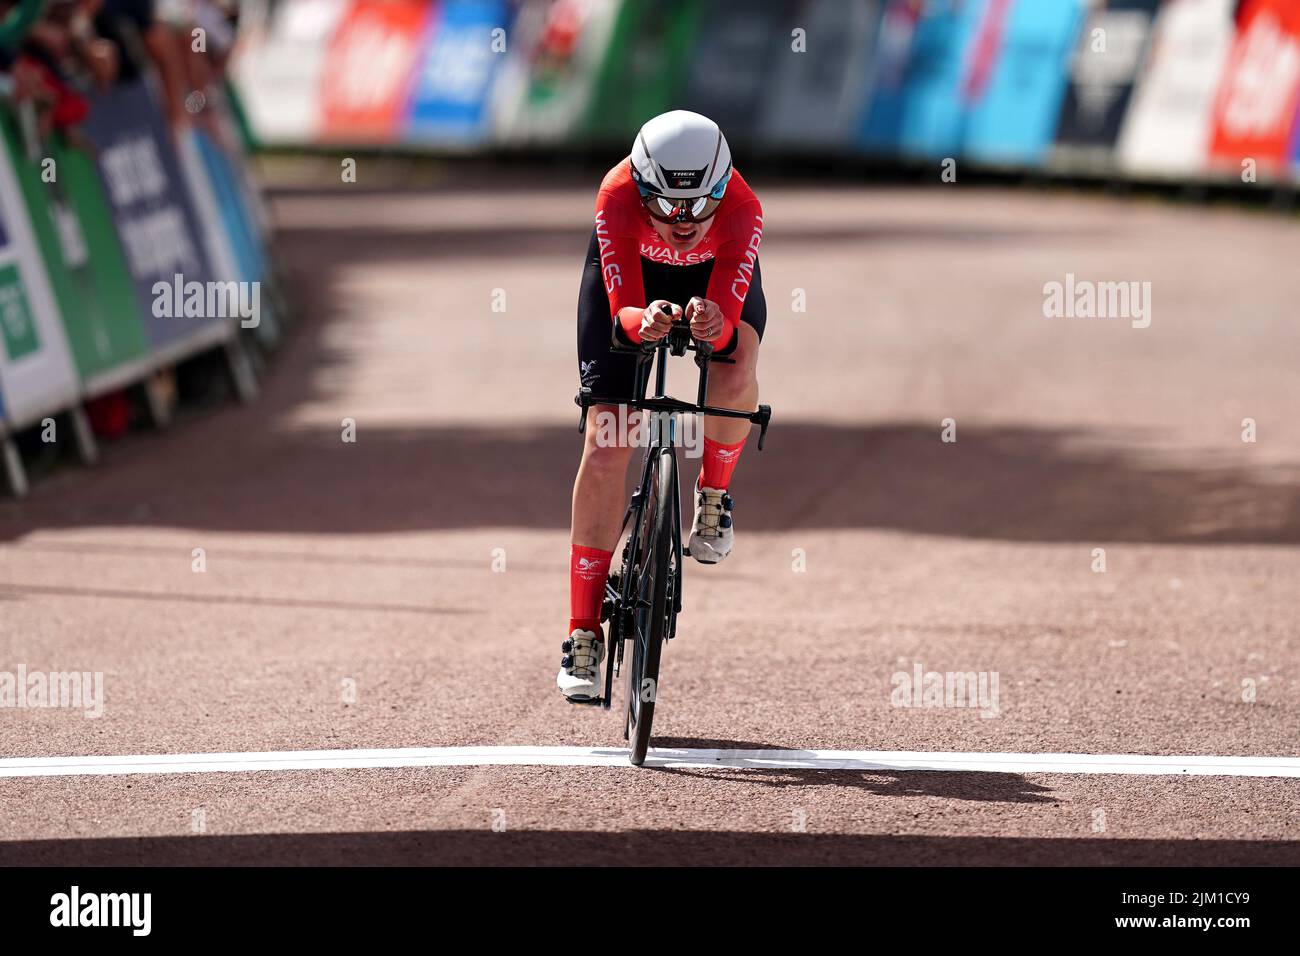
[(932, 117), (152, 211), (249, 255), (922, 114), (1015, 119), (449, 103)]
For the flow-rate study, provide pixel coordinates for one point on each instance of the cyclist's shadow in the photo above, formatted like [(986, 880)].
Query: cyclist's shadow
[(954, 785)]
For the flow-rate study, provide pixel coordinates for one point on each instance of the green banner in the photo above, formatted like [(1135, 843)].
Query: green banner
[(82, 253), (647, 60), (16, 322)]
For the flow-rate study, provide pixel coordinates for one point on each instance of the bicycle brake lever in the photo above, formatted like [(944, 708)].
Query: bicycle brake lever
[(764, 419), (647, 348), (583, 393)]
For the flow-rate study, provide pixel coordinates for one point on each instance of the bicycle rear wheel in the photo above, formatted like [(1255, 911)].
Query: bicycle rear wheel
[(652, 620)]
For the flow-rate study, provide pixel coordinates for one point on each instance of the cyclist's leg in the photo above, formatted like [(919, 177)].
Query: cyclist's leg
[(599, 499), (730, 386), (734, 386)]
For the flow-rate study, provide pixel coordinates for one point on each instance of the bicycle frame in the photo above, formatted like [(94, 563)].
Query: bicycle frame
[(621, 603)]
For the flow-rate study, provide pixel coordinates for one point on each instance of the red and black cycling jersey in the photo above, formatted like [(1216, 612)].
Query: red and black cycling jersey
[(626, 235)]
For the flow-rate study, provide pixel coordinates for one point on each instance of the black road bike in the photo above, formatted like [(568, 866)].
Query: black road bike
[(644, 596)]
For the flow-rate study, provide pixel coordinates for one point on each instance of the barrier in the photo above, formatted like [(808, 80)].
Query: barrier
[(369, 70), (814, 103), (36, 371), (82, 253), (1110, 87), (1108, 57), (1166, 130), (1013, 123), (154, 216), (642, 72), (546, 87), (111, 261), (464, 46), (730, 65), (1255, 110)]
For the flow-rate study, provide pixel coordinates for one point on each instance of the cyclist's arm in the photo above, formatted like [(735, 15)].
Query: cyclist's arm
[(737, 253), (620, 268)]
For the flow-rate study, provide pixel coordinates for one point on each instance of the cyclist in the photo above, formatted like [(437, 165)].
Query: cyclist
[(676, 226)]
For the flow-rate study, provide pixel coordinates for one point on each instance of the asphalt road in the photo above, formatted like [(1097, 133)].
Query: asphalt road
[(408, 589)]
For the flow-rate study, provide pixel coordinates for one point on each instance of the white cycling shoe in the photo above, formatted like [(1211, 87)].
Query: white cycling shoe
[(712, 536), (581, 678)]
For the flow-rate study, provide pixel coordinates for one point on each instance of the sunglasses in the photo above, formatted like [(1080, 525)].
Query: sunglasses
[(696, 209)]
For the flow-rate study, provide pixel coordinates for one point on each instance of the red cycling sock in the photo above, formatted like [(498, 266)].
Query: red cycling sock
[(719, 462), (588, 568)]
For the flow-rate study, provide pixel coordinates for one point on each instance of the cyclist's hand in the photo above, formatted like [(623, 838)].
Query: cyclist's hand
[(655, 322), (705, 318)]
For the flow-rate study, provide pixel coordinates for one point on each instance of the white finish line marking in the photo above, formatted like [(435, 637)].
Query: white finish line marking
[(865, 760)]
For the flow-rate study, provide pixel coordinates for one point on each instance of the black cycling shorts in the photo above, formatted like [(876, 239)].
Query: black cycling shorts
[(613, 374)]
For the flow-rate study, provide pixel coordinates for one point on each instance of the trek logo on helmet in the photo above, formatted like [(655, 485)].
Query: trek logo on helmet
[(682, 178)]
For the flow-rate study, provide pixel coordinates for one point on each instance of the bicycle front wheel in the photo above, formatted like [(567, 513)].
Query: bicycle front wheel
[(654, 607)]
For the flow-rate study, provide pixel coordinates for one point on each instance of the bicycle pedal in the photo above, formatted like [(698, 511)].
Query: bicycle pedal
[(586, 701)]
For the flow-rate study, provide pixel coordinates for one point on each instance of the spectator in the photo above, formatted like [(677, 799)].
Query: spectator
[(141, 38)]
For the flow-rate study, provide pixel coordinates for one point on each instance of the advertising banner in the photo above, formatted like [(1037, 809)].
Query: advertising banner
[(1167, 129), (238, 227), (547, 85), (1015, 118), (882, 121), (83, 257), (1295, 146), (153, 213), (36, 371), (370, 70), (218, 241), (464, 44), (935, 99), (1108, 57), (817, 97), (232, 245), (279, 70), (1256, 104), (731, 67), (645, 66), (221, 109), (239, 230)]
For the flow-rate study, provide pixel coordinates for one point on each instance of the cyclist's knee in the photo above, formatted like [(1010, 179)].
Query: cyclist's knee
[(731, 383), (606, 450)]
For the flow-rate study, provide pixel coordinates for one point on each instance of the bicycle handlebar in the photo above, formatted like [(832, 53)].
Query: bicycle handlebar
[(678, 341), (762, 417)]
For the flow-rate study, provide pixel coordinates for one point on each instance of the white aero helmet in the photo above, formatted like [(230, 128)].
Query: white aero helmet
[(681, 165)]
